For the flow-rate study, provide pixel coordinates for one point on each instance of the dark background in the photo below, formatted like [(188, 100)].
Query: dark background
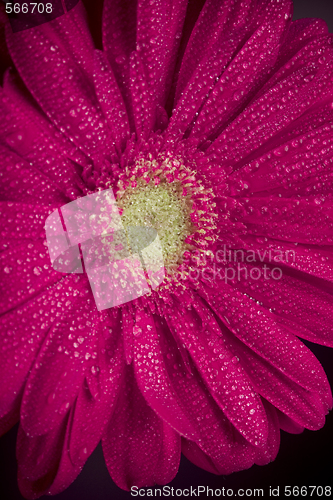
[(305, 459)]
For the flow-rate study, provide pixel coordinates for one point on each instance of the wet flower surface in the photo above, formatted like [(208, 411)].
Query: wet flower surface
[(222, 142)]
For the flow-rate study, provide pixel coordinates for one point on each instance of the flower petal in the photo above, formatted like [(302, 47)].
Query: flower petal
[(227, 382), (97, 395), (20, 182), (110, 99), (27, 132), (257, 329), (132, 41), (26, 328), (287, 95), (58, 372), (137, 441), (214, 102), (287, 424), (25, 271), (296, 305), (66, 59), (161, 373), (152, 378), (21, 221), (44, 465), (273, 442)]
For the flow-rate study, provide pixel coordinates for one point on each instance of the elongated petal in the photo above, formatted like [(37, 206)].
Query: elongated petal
[(96, 398), (134, 43), (304, 85), (221, 372), (110, 99), (137, 458), (67, 60), (25, 272), (260, 332), (44, 465), (65, 354), (158, 359)]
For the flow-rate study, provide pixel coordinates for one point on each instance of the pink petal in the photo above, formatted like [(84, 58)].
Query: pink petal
[(110, 99), (243, 77), (143, 106), (31, 135), (58, 372), (281, 163), (273, 442), (131, 40), (151, 376), (20, 182), (67, 58), (11, 418), (158, 363), (224, 376), (26, 328), (214, 24), (214, 102), (289, 425), (281, 103), (137, 441), (22, 221), (258, 330), (25, 271), (193, 453), (44, 465), (295, 305), (97, 395)]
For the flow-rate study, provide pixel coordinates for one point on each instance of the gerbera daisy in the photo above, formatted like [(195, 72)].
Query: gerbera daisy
[(220, 139)]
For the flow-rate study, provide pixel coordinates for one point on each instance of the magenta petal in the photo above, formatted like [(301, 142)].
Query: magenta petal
[(32, 136), (245, 74), (38, 456), (144, 107), (134, 43), (215, 24), (58, 372), (67, 57), (303, 406), (296, 306), (151, 375), (230, 385), (23, 183), (232, 29), (110, 99), (216, 435), (18, 286), (311, 79), (97, 396), (22, 221), (288, 424), (158, 42), (264, 172), (268, 341), (119, 41), (44, 465), (193, 453), (273, 441), (11, 418), (26, 328), (145, 441)]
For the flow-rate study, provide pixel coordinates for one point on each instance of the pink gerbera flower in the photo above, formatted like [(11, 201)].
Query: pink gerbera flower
[(221, 142)]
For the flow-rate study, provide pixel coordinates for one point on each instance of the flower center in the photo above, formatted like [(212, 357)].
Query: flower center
[(159, 205), (164, 194)]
